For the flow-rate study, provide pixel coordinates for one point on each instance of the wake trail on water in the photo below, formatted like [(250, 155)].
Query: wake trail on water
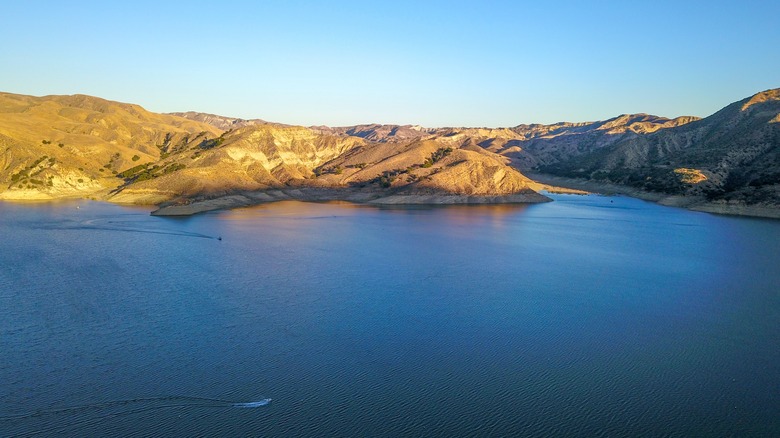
[(109, 404), (123, 226), (172, 403)]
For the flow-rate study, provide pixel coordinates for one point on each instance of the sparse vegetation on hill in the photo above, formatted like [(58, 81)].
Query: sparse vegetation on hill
[(84, 138), (731, 156)]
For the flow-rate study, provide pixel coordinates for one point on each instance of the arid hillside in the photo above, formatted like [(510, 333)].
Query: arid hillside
[(74, 146), (732, 156), (82, 146)]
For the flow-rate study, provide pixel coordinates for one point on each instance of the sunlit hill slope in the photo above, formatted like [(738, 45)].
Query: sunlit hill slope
[(81, 146), (86, 147)]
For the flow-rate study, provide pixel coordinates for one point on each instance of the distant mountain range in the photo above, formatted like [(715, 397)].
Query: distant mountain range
[(81, 146)]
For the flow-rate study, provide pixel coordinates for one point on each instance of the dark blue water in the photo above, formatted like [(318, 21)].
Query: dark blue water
[(589, 316)]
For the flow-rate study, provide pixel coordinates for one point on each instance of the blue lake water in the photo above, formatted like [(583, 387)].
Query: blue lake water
[(588, 316)]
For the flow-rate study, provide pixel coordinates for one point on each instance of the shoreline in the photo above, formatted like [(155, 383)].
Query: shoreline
[(540, 183), (680, 201), (248, 199)]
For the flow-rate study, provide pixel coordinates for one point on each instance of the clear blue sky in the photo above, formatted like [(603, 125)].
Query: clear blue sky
[(435, 63)]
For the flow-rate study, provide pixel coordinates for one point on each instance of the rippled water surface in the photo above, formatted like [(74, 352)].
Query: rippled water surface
[(587, 316)]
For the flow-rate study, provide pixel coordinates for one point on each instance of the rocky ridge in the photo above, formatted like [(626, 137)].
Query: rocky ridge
[(81, 146), (220, 122), (731, 158)]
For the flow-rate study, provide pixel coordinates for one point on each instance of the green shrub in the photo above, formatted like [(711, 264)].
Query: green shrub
[(386, 179), (212, 143), (437, 155), (133, 170), (173, 168)]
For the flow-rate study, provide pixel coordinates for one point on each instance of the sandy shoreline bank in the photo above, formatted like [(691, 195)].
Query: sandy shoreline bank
[(542, 182), (246, 199), (691, 203)]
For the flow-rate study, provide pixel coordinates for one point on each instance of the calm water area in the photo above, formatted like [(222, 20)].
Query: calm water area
[(587, 316)]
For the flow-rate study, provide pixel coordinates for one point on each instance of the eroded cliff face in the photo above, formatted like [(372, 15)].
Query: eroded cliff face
[(288, 152), (271, 158), (255, 157)]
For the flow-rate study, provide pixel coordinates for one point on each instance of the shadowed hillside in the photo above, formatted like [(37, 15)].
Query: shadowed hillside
[(732, 156)]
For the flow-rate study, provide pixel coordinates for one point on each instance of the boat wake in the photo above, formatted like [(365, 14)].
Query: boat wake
[(254, 404), (122, 226), (68, 419)]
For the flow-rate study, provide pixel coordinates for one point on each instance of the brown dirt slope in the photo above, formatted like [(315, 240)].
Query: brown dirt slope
[(73, 146)]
